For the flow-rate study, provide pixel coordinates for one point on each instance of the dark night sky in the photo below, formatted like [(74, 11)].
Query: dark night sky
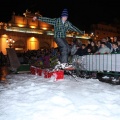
[(82, 13)]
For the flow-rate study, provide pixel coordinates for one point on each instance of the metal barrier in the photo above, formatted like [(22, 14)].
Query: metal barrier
[(99, 63), (102, 62), (107, 64)]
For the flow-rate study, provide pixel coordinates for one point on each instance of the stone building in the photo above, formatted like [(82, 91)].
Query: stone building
[(103, 30), (28, 34)]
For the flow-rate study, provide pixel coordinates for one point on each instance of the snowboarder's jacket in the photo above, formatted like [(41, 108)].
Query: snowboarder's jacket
[(60, 29)]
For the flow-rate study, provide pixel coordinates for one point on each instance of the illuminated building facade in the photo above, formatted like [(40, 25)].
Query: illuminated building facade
[(101, 31), (28, 34)]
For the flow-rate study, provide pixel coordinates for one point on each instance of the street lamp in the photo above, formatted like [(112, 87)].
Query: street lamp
[(10, 42)]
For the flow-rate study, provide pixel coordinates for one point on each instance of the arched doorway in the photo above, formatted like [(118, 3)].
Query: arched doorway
[(32, 43)]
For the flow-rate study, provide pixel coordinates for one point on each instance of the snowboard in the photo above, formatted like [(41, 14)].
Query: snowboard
[(70, 71)]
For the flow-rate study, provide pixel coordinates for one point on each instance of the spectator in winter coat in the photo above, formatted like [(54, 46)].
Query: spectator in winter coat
[(115, 48), (75, 46), (89, 43), (82, 51), (107, 42), (46, 60), (118, 42), (115, 39), (93, 47), (98, 45), (104, 49), (89, 51)]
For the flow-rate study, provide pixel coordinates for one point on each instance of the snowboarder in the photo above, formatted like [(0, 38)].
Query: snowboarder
[(61, 26)]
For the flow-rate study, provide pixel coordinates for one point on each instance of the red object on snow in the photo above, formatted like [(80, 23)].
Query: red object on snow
[(57, 74), (33, 70), (47, 73), (39, 71), (36, 71)]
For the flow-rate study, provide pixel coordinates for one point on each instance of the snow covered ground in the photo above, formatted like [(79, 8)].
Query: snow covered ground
[(31, 97)]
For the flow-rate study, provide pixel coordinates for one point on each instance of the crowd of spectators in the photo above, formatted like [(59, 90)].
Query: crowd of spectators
[(43, 57), (49, 57), (103, 46)]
